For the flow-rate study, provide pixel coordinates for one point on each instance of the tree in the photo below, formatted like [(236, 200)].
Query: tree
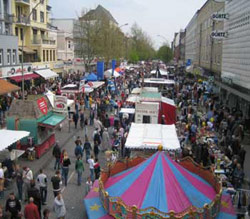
[(165, 53), (140, 46)]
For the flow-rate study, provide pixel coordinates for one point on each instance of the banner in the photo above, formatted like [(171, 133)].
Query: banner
[(60, 103), (42, 105), (113, 64), (100, 70)]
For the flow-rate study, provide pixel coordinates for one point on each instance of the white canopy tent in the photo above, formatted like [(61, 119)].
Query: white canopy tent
[(162, 72), (158, 81), (150, 136), (133, 99), (108, 73), (168, 101), (127, 110), (9, 137), (138, 90), (97, 84), (46, 73)]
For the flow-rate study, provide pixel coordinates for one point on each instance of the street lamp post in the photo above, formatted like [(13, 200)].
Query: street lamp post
[(165, 39), (26, 20)]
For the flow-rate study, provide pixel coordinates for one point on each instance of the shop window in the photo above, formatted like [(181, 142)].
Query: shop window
[(146, 119), (14, 56), (41, 16), (8, 56), (1, 57), (47, 54), (69, 44), (51, 56)]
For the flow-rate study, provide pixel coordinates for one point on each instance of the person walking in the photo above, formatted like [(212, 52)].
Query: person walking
[(46, 213), (87, 148), (13, 206), (78, 150), (75, 119), (27, 178), (19, 182), (56, 182), (82, 120), (35, 194), (79, 169), (96, 148), (31, 210), (59, 207), (57, 155), (89, 185), (1, 182), (105, 140), (42, 183), (65, 167), (97, 169), (91, 167)]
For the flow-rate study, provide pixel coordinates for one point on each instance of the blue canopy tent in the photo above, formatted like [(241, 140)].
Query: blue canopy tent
[(91, 77)]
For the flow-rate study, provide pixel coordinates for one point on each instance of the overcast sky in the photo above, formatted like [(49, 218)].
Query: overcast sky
[(156, 17)]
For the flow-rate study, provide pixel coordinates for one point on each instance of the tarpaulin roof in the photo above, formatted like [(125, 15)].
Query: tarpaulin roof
[(46, 73), (91, 77), (164, 184), (150, 136), (168, 101), (6, 87), (9, 137), (26, 77), (97, 84), (108, 73)]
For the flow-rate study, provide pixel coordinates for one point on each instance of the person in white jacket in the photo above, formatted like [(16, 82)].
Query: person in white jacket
[(59, 207)]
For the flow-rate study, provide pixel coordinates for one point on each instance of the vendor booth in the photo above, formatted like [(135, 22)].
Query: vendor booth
[(170, 190), (150, 136), (34, 115), (147, 112), (168, 111)]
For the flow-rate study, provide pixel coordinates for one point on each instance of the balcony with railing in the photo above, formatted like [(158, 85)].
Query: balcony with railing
[(43, 41), (24, 2), (22, 19)]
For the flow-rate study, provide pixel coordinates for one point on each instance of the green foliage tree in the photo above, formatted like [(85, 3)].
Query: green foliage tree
[(140, 45), (165, 53)]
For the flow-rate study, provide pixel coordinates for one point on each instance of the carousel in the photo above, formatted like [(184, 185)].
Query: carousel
[(157, 188)]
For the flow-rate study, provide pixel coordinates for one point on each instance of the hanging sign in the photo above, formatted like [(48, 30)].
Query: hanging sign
[(219, 35), (220, 16), (42, 105), (60, 103)]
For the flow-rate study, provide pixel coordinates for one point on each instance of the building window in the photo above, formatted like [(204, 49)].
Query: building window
[(21, 33), (54, 55), (42, 34), (47, 53), (69, 44), (44, 55), (8, 56), (34, 15), (14, 56), (16, 31), (51, 55), (41, 16), (1, 57)]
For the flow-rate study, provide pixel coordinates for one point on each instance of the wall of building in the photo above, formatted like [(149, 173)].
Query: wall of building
[(191, 40), (8, 50), (209, 51), (236, 48)]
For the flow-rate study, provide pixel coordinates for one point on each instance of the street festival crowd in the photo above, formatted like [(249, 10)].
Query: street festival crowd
[(209, 131)]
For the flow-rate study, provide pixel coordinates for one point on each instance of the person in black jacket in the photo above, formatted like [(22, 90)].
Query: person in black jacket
[(75, 119), (35, 194), (106, 121), (57, 155), (13, 206)]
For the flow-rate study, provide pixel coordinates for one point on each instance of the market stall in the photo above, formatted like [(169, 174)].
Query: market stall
[(168, 111), (150, 136), (35, 115), (169, 190), (6, 87)]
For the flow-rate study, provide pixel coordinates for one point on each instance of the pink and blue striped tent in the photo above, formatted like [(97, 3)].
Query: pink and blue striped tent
[(158, 182)]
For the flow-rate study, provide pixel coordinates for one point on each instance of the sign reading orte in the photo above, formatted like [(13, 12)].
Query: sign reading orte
[(220, 16), (219, 35)]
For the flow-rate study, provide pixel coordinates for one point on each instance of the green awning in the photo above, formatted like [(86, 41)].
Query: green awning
[(52, 121), (150, 96)]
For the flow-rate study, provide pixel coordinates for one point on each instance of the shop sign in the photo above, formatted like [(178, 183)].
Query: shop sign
[(60, 103), (219, 35), (220, 16), (42, 105)]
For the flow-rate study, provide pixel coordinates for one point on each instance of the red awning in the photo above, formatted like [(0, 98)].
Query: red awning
[(26, 77)]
